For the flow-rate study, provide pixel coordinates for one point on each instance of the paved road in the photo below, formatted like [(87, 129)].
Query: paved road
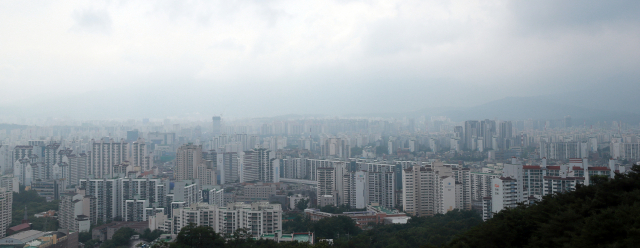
[(133, 243)]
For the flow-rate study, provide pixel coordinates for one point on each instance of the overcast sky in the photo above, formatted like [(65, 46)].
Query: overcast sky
[(261, 58)]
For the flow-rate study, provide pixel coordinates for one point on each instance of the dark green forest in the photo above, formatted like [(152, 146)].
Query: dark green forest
[(35, 204), (603, 214)]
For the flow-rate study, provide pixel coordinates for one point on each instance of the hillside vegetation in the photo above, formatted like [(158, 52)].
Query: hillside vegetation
[(604, 214)]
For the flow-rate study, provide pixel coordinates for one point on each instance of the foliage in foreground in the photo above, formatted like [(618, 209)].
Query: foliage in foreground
[(418, 232), (604, 214)]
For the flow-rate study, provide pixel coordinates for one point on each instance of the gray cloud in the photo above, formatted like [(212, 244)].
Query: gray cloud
[(261, 58), (548, 15), (93, 21)]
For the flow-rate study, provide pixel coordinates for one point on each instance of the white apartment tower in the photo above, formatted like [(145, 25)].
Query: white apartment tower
[(6, 202), (260, 166), (105, 154), (138, 154), (419, 186), (326, 185), (71, 215), (188, 158)]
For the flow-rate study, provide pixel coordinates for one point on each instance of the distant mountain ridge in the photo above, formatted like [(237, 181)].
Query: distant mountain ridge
[(523, 108)]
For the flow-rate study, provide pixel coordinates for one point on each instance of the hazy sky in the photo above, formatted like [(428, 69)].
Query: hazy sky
[(261, 58)]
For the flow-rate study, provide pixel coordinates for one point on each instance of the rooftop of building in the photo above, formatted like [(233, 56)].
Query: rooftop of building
[(382, 209), (25, 236), (20, 227)]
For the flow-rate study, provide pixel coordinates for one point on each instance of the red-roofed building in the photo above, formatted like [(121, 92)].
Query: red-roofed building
[(19, 228)]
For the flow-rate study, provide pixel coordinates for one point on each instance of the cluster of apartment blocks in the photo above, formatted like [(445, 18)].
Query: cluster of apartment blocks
[(428, 188), (45, 162), (150, 200), (505, 186), (436, 188), (259, 218), (420, 188)]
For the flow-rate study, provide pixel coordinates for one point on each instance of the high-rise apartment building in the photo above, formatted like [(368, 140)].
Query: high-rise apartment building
[(362, 188), (230, 165), (188, 158), (105, 154), (259, 165), (108, 195), (139, 154), (217, 125), (564, 150), (78, 167), (71, 213), (418, 190), (471, 134), (259, 218), (326, 186), (207, 173), (6, 202)]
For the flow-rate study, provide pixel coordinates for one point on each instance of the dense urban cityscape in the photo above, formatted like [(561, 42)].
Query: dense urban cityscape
[(163, 174)]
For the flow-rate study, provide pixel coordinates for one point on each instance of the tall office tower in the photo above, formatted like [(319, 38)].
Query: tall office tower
[(259, 165), (217, 125), (471, 133), (188, 158), (458, 131), (326, 190), (487, 131), (419, 186), (230, 167), (105, 154), (70, 213), (506, 133), (6, 201), (138, 154), (412, 125)]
